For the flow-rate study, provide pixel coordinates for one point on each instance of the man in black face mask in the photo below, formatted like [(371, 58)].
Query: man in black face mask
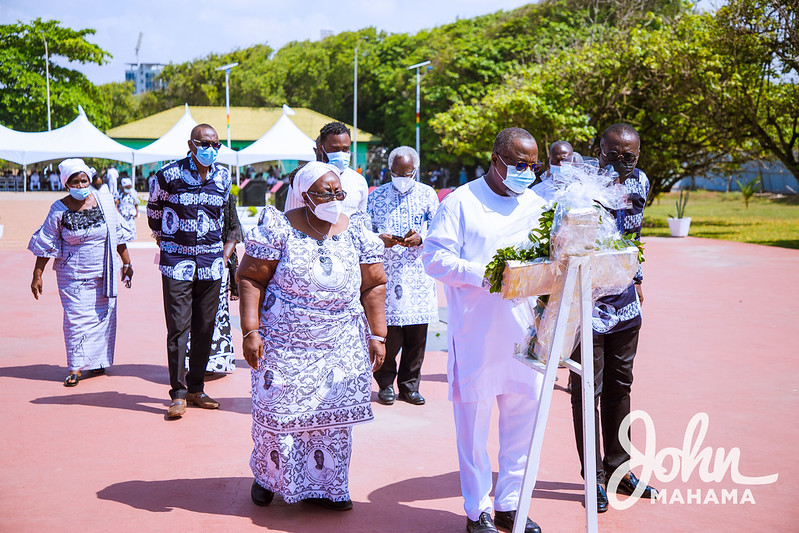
[(616, 323)]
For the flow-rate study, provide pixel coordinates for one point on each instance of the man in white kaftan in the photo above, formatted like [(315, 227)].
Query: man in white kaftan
[(471, 224)]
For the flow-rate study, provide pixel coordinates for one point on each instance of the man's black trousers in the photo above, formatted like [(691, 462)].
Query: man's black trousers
[(189, 306)]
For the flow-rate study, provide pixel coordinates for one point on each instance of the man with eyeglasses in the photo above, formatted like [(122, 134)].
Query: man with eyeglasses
[(470, 225), (185, 212), (616, 324), (333, 147), (401, 213)]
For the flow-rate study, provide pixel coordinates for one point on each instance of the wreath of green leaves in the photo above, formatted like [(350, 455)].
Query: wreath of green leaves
[(540, 237)]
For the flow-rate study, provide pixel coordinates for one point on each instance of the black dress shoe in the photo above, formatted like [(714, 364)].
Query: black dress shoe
[(346, 505), (483, 524), (504, 520), (628, 484), (260, 496), (386, 396), (601, 499), (412, 397)]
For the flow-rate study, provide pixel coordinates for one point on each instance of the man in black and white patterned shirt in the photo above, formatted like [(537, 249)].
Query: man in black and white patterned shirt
[(185, 212), (401, 212), (616, 323)]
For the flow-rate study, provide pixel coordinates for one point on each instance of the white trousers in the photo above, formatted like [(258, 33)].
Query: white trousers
[(517, 414)]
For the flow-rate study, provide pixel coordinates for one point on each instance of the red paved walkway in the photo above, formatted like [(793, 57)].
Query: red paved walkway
[(719, 338)]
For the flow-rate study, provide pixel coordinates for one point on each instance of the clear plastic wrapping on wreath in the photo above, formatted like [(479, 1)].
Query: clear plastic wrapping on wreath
[(583, 224)]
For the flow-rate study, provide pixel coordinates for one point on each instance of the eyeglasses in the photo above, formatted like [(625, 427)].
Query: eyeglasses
[(522, 165), (207, 144), (613, 155), (329, 196), (406, 175)]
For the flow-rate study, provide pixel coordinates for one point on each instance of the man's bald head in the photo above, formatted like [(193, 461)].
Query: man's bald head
[(621, 130), (559, 151), (199, 129), (560, 146), (507, 137)]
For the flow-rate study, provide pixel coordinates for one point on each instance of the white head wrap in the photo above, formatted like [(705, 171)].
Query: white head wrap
[(126, 182), (69, 167), (307, 176)]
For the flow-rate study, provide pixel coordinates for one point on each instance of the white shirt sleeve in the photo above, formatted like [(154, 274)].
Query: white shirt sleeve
[(442, 250), (364, 192)]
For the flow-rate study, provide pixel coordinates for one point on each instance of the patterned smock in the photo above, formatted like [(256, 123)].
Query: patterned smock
[(315, 380), (410, 292)]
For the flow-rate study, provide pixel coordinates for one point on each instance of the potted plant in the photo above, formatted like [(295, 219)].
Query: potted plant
[(679, 225)]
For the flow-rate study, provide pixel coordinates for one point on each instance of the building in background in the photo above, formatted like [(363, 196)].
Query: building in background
[(144, 75)]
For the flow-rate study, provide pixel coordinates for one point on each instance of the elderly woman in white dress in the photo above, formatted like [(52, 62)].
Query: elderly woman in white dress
[(308, 278), (81, 233)]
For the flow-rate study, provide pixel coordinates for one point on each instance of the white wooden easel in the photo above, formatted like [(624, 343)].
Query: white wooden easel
[(578, 271)]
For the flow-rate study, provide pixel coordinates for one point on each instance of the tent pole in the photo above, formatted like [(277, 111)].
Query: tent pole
[(24, 177)]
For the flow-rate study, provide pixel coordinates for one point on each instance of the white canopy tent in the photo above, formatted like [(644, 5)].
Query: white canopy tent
[(284, 140), (174, 144), (12, 144), (79, 138)]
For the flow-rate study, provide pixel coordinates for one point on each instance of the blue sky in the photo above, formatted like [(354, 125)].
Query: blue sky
[(180, 30)]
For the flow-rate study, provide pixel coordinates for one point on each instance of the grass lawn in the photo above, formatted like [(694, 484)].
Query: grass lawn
[(769, 220)]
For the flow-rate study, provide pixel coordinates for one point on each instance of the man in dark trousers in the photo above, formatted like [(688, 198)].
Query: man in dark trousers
[(616, 323), (185, 212)]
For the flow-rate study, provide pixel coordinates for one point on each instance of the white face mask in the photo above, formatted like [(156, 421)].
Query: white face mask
[(340, 160), (403, 183), (328, 211)]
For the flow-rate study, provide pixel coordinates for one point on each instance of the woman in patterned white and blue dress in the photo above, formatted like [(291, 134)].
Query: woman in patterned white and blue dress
[(82, 232), (306, 281)]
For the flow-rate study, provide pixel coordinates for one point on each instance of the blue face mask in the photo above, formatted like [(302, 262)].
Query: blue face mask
[(340, 160), (79, 193), (206, 156), (517, 181)]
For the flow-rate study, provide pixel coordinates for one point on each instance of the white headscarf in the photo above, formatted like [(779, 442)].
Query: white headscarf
[(68, 167), (126, 182), (307, 176)]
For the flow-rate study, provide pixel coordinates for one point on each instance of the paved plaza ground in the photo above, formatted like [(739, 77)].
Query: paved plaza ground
[(718, 338)]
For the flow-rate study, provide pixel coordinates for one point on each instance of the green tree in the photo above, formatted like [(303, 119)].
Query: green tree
[(663, 81), (121, 105), (760, 42), (23, 99)]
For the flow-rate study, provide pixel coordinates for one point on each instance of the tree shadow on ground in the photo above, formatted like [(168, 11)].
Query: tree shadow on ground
[(780, 243), (135, 402), (230, 496), (699, 224), (788, 199), (46, 372)]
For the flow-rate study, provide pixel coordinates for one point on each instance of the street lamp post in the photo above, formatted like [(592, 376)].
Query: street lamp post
[(49, 124), (417, 66), (355, 113), (227, 68), (47, 77)]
